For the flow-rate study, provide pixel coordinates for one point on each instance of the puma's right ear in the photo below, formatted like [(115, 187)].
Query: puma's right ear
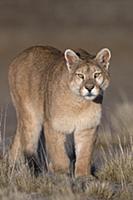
[(71, 58)]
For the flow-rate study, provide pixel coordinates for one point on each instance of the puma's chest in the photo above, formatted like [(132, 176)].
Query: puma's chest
[(66, 120)]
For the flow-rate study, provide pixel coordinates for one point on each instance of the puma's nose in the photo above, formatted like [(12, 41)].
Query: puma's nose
[(89, 87)]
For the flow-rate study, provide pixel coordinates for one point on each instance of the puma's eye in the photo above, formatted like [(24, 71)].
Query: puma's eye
[(97, 74), (80, 75)]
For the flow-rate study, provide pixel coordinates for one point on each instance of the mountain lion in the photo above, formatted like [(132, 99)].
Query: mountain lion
[(61, 93)]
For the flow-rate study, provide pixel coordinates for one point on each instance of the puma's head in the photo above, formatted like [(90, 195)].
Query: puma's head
[(88, 75)]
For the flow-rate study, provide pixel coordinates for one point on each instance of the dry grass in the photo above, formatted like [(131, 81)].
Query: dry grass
[(114, 174)]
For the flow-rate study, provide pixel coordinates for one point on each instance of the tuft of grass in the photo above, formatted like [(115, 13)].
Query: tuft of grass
[(124, 194), (13, 194), (118, 165), (100, 190)]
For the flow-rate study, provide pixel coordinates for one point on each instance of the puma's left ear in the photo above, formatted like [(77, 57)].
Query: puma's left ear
[(103, 57), (71, 58)]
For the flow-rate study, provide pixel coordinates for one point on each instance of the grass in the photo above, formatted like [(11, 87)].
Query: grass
[(113, 158)]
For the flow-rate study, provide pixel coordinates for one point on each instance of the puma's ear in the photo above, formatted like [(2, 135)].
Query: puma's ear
[(71, 58), (103, 57)]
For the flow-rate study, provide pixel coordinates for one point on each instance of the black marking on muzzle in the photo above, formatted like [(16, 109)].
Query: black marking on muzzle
[(99, 99)]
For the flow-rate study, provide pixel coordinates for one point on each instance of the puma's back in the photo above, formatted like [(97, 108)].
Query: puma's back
[(28, 71)]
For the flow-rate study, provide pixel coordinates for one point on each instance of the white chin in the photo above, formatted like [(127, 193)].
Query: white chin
[(90, 97)]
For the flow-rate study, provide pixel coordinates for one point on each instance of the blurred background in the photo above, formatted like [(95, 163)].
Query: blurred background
[(88, 24)]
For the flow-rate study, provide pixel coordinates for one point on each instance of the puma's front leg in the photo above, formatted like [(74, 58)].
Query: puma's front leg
[(84, 142), (55, 144)]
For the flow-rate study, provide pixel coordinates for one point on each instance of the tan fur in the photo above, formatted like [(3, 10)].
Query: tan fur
[(47, 92)]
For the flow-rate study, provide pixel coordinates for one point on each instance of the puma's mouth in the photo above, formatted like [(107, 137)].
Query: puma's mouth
[(90, 95), (97, 96)]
